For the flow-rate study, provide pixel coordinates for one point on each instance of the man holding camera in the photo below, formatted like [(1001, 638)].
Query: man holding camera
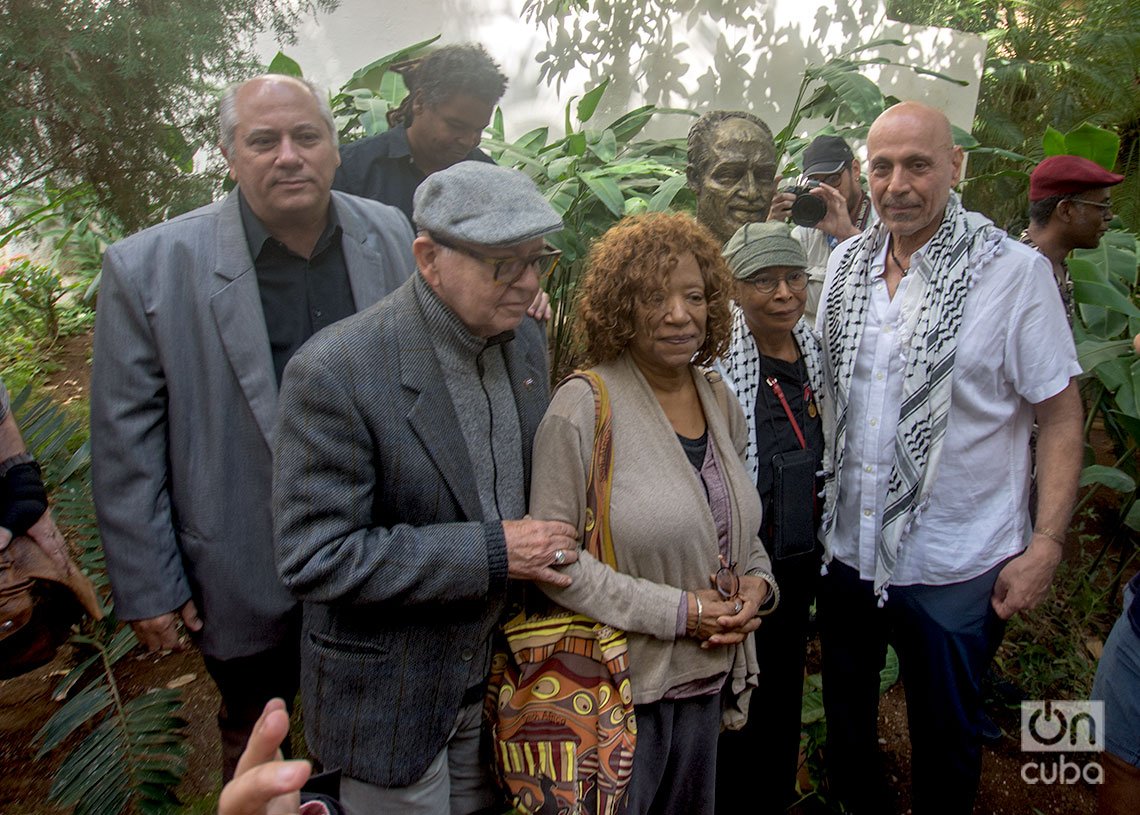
[(840, 209)]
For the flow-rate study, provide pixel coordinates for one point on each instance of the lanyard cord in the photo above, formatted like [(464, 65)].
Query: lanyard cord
[(774, 384), (776, 389)]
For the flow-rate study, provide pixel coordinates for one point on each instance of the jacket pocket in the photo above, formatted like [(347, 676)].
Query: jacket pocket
[(348, 646)]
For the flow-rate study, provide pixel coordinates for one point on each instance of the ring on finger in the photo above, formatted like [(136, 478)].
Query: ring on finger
[(736, 609), (559, 557)]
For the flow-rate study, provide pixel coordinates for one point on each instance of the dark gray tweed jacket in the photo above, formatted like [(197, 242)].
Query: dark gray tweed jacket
[(379, 530)]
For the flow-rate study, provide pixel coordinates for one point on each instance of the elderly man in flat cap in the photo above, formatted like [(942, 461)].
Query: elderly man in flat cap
[(401, 472), (1069, 208)]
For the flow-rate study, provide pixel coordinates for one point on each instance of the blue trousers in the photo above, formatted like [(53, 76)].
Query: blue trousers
[(945, 638)]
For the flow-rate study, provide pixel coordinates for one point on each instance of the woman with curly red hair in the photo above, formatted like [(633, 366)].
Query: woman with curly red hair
[(691, 575)]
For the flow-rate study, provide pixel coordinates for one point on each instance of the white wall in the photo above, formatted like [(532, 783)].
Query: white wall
[(694, 54)]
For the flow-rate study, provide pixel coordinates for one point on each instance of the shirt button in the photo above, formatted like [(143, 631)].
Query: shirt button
[(868, 468), (317, 313), (467, 655), (879, 376), (874, 423), (867, 513)]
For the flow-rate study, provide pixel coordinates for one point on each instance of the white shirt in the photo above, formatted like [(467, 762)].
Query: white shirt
[(1014, 350)]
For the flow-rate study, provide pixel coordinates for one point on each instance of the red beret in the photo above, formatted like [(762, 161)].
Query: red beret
[(1068, 175)]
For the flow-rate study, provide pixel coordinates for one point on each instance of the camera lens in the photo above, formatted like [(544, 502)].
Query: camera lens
[(807, 210)]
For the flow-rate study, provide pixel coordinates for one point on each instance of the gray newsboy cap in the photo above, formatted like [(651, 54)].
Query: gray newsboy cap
[(484, 204), (758, 246)]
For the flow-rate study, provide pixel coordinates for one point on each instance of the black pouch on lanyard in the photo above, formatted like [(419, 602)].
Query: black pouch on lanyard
[(793, 504)]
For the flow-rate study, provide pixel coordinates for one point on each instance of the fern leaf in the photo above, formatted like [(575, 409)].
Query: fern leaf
[(80, 709)]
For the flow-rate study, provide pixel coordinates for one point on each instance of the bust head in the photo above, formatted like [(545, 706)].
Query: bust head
[(732, 170)]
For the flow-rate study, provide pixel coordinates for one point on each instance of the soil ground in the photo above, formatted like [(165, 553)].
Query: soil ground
[(26, 703)]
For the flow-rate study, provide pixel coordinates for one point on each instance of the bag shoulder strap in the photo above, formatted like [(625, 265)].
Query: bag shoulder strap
[(720, 391), (599, 481)]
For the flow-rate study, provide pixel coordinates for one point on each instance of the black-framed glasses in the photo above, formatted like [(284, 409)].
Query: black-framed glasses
[(831, 179), (508, 271), (796, 280), (727, 580), (1105, 206)]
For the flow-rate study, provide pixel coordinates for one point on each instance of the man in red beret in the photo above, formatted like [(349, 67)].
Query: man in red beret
[(1069, 208)]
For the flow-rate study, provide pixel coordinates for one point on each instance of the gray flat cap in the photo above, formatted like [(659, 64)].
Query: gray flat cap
[(759, 246), (483, 204)]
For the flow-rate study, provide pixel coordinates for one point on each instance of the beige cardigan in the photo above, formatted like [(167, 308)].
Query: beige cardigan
[(663, 530)]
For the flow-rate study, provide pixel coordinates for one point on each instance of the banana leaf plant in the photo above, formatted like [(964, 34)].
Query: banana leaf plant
[(1108, 317)]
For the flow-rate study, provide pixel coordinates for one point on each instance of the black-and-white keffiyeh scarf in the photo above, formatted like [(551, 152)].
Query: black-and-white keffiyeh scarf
[(930, 317), (741, 368)]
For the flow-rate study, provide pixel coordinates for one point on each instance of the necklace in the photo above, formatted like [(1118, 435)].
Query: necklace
[(891, 252)]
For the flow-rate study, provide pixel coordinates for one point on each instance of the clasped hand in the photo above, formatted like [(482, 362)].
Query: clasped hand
[(721, 623)]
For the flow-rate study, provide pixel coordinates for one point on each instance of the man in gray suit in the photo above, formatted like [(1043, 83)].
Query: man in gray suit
[(401, 473), (197, 318)]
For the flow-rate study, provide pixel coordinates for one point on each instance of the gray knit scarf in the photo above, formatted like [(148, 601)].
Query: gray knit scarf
[(741, 367), (931, 316)]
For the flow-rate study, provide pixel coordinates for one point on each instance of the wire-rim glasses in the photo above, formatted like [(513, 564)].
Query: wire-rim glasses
[(727, 580), (795, 280)]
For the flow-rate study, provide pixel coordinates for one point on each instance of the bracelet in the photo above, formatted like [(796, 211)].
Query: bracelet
[(773, 591), (700, 611), (15, 461), (1046, 532)]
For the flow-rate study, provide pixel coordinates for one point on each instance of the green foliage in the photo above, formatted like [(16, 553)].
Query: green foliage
[(1104, 288), (118, 96), (361, 106), (36, 290), (132, 756), (121, 755), (1087, 141), (1046, 652), (1048, 63), (842, 96)]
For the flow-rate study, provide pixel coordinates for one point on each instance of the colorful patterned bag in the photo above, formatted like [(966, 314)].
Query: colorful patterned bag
[(560, 702)]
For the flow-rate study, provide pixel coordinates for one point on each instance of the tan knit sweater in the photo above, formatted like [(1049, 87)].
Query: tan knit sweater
[(663, 530)]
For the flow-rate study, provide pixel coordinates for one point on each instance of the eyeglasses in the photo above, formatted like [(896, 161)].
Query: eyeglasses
[(766, 284), (727, 580), (1106, 206), (508, 271), (832, 179)]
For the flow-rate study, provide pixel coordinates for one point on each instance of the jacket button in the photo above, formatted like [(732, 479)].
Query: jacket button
[(467, 655)]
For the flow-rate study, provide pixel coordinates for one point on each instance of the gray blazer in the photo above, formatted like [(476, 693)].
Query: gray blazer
[(183, 405), (380, 531)]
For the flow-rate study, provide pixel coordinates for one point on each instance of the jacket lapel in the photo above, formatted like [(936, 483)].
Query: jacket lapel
[(372, 274), (236, 304), (432, 415), (528, 371)]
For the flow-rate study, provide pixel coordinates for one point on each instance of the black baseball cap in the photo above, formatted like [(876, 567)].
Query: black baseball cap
[(827, 155)]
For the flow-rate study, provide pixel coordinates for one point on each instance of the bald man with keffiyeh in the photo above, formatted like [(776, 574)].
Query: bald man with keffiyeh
[(944, 340)]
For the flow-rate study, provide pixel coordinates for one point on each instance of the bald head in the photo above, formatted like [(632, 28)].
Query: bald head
[(917, 120), (912, 165)]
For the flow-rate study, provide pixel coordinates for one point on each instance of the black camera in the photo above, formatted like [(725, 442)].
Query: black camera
[(807, 209)]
